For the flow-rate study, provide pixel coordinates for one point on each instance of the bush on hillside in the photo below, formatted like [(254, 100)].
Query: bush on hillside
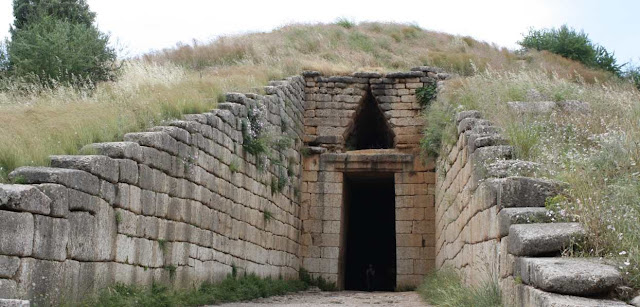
[(55, 42), (633, 75), (52, 51), (571, 44), (28, 11)]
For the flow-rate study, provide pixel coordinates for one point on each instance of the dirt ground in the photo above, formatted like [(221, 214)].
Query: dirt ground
[(316, 298)]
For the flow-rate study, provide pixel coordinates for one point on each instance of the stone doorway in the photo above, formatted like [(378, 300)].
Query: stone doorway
[(370, 237)]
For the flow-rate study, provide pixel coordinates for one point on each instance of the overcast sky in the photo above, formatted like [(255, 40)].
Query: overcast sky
[(143, 25)]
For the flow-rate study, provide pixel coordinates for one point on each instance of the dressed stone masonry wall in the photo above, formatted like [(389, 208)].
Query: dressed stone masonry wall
[(181, 204), (332, 108), (491, 224)]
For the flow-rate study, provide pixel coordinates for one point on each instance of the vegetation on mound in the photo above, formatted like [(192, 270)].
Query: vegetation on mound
[(445, 288), (40, 120), (596, 151), (231, 289)]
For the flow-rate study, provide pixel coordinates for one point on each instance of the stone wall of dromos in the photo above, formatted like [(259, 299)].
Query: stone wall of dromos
[(181, 204), (492, 225), (331, 106)]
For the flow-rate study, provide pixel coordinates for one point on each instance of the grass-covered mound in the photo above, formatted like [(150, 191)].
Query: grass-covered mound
[(36, 122)]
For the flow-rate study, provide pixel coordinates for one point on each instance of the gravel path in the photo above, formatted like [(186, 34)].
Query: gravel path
[(316, 298)]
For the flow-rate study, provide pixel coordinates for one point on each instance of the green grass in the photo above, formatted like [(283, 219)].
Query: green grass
[(445, 288), (229, 290)]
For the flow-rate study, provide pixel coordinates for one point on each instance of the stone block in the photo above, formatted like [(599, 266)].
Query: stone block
[(148, 202), (8, 266), (17, 230), (117, 150), (41, 280), (158, 140), (582, 277), (128, 171), (526, 192), (59, 198), (92, 236), (51, 236), (524, 215), (545, 238), (101, 166), (17, 197), (75, 179)]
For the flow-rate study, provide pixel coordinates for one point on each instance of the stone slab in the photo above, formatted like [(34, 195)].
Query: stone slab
[(542, 238), (574, 276), (18, 197)]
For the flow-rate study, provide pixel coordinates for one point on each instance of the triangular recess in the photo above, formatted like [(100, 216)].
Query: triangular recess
[(370, 129)]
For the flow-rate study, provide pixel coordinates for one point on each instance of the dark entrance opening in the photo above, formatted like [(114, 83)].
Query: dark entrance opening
[(370, 238), (370, 129)]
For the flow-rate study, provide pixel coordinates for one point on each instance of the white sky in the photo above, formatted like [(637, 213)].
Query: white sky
[(143, 25)]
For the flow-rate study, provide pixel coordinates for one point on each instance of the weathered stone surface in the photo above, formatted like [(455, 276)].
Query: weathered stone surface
[(524, 215), (532, 297), (8, 266), (541, 239), (574, 276), (526, 191), (50, 238), (101, 166), (17, 197), (478, 141), (92, 236), (636, 301), (117, 150), (158, 140), (365, 74), (409, 74), (467, 114), (574, 107), (507, 168), (75, 179), (59, 196), (469, 123), (17, 233)]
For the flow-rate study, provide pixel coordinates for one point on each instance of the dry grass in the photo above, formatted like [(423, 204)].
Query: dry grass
[(597, 153), (188, 78)]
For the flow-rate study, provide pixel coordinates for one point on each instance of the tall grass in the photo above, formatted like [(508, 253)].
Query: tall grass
[(43, 121), (36, 122), (445, 288), (596, 152)]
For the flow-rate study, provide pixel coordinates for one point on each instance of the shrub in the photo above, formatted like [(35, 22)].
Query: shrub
[(55, 41), (571, 44), (73, 11), (345, 23), (51, 51), (426, 93)]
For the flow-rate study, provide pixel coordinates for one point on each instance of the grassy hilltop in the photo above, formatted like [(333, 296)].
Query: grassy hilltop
[(597, 153)]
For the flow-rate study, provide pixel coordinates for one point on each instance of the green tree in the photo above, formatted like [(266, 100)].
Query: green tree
[(572, 44), (55, 42), (74, 11)]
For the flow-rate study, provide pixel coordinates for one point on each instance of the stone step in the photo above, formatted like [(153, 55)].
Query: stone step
[(534, 297), (519, 191), (526, 215), (573, 276), (542, 238)]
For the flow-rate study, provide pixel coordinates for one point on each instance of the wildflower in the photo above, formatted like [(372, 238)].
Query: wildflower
[(622, 253)]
